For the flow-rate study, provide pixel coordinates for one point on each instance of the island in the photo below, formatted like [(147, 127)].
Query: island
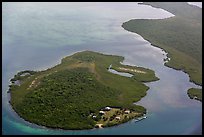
[(80, 92), (180, 36)]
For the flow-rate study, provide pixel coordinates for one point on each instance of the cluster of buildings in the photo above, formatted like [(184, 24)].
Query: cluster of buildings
[(102, 112)]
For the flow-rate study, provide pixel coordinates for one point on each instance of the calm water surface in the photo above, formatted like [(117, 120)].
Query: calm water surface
[(37, 35)]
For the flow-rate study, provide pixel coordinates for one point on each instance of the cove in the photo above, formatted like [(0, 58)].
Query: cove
[(45, 33)]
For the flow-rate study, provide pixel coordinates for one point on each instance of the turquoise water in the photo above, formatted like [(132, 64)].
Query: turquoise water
[(37, 35)]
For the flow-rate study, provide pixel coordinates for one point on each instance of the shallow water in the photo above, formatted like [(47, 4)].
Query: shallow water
[(37, 35), (119, 73)]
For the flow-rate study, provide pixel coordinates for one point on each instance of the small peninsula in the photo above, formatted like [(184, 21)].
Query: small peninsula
[(195, 93), (80, 92)]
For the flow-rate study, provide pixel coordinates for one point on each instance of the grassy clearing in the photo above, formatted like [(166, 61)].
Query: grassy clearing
[(180, 36), (64, 96)]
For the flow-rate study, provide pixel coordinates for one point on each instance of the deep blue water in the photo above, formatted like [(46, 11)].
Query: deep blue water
[(36, 36)]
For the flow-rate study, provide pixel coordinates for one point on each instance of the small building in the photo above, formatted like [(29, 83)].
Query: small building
[(127, 111), (93, 116), (117, 118), (101, 112), (107, 108)]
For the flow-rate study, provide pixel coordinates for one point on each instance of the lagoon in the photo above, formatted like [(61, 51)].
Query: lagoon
[(36, 36), (119, 73)]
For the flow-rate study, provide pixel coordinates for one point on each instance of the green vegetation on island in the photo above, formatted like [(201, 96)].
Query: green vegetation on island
[(194, 93), (180, 36), (69, 94)]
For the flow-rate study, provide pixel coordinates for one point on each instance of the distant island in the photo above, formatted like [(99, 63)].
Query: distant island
[(80, 92), (180, 36)]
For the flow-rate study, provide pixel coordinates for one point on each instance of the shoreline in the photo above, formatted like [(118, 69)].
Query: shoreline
[(167, 55), (33, 125), (172, 67), (163, 48), (53, 128)]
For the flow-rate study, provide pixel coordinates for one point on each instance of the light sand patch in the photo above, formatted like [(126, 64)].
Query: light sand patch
[(34, 83), (132, 70), (99, 125)]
